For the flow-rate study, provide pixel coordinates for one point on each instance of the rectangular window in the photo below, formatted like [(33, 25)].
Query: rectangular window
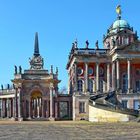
[(136, 104), (124, 103), (82, 107)]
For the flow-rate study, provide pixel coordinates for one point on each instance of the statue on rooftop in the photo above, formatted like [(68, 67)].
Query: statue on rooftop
[(15, 69), (20, 69), (87, 44), (1, 87), (8, 86), (96, 44)]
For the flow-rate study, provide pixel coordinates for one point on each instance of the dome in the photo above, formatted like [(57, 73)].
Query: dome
[(121, 24)]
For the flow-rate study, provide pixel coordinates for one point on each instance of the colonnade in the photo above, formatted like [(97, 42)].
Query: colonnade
[(111, 74), (7, 109)]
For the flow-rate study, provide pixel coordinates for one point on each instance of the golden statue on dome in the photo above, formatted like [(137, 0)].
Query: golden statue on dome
[(118, 11)]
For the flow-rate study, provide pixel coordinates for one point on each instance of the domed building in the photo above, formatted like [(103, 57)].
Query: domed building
[(113, 69)]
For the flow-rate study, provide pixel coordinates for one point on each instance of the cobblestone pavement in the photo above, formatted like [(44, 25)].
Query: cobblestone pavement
[(68, 130)]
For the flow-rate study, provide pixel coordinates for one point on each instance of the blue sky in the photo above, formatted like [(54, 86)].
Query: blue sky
[(58, 23)]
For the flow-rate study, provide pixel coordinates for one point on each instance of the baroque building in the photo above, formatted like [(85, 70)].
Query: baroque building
[(100, 81), (35, 93), (114, 68)]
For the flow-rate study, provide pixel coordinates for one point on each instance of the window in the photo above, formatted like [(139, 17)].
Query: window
[(90, 71), (125, 40), (80, 71), (82, 107), (137, 71), (138, 85), (90, 85), (136, 104), (124, 103), (125, 82), (80, 85), (101, 71)]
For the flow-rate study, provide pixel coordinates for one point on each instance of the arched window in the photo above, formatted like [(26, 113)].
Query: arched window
[(125, 82), (80, 85), (90, 85)]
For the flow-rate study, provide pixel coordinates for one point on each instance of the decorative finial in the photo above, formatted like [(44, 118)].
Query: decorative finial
[(87, 44), (96, 44), (36, 45), (118, 11)]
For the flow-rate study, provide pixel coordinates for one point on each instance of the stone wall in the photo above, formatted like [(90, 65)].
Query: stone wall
[(101, 115)]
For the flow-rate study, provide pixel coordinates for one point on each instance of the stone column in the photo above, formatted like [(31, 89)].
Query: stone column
[(129, 74), (108, 77), (118, 74), (13, 107), (1, 108), (38, 115), (97, 77), (113, 76), (86, 77), (51, 104), (7, 107), (29, 107), (75, 72), (19, 105), (42, 103)]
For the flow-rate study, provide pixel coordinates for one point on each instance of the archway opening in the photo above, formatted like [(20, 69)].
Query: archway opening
[(36, 104)]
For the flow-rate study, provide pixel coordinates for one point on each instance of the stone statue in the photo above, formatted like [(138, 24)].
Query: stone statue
[(20, 70), (108, 44), (96, 44), (1, 87), (87, 44), (15, 69), (13, 86), (8, 86), (113, 42)]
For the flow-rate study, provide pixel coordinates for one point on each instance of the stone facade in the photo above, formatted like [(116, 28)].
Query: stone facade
[(35, 93), (116, 67)]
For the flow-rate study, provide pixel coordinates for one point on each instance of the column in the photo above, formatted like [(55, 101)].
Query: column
[(38, 115), (128, 73), (42, 103), (19, 104), (108, 77), (113, 76), (13, 107), (51, 103), (29, 107), (7, 107), (118, 74), (75, 72), (1, 108), (97, 77), (86, 77)]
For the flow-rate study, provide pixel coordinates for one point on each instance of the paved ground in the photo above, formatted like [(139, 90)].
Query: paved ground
[(68, 130)]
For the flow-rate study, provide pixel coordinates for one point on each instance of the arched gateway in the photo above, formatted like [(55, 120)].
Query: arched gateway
[(36, 92)]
